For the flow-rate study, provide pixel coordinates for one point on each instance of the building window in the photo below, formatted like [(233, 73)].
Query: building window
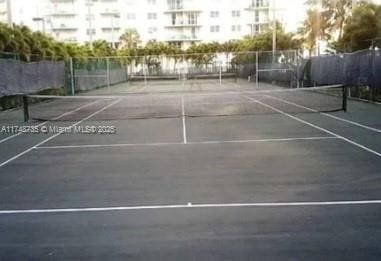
[(131, 16), (214, 14), (152, 30), (214, 28), (152, 16), (255, 29), (256, 16), (173, 19), (193, 32), (236, 28), (175, 4), (151, 2), (236, 13), (90, 17), (259, 3), (192, 18), (90, 31)]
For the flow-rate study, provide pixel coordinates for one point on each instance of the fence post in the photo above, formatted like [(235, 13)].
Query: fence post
[(257, 69), (374, 82), (184, 70), (220, 76), (144, 71), (108, 71), (72, 74)]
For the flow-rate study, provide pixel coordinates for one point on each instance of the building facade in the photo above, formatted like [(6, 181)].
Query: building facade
[(4, 12), (178, 22)]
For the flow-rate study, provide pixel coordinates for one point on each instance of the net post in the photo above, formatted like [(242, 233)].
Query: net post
[(25, 108), (108, 71), (297, 68), (345, 98), (72, 82)]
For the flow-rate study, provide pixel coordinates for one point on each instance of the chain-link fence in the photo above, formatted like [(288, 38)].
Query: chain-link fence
[(91, 73), (359, 70), (280, 68), (29, 77)]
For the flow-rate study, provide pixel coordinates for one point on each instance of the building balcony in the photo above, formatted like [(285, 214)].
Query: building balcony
[(62, 1), (110, 28), (110, 13), (263, 6), (180, 25), (182, 10), (183, 38), (64, 27), (59, 13), (260, 22)]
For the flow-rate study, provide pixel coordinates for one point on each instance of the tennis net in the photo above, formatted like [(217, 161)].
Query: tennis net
[(192, 104)]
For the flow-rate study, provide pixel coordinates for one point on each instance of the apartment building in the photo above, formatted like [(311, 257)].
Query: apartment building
[(178, 22), (4, 12)]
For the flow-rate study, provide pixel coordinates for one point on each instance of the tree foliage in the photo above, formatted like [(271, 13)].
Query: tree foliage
[(362, 27), (31, 46), (264, 41), (315, 28), (325, 21)]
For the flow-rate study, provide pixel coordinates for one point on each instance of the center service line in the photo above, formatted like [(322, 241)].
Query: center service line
[(184, 120)]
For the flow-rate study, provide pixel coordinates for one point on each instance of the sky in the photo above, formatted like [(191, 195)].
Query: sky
[(292, 11)]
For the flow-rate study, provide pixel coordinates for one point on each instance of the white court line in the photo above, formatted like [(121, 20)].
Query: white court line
[(56, 135), (177, 143), (46, 122), (184, 120), (316, 127), (194, 206), (326, 114), (264, 140)]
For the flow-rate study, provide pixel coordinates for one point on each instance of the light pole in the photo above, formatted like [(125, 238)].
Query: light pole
[(9, 13), (113, 44), (41, 19), (89, 4), (274, 29)]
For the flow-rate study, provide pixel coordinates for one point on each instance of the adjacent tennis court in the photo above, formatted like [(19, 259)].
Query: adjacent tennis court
[(222, 171)]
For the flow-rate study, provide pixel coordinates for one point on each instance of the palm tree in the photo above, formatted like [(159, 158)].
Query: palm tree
[(364, 25), (338, 12), (101, 48), (315, 29), (130, 39)]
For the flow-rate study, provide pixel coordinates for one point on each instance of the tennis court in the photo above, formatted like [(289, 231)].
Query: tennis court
[(225, 172)]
